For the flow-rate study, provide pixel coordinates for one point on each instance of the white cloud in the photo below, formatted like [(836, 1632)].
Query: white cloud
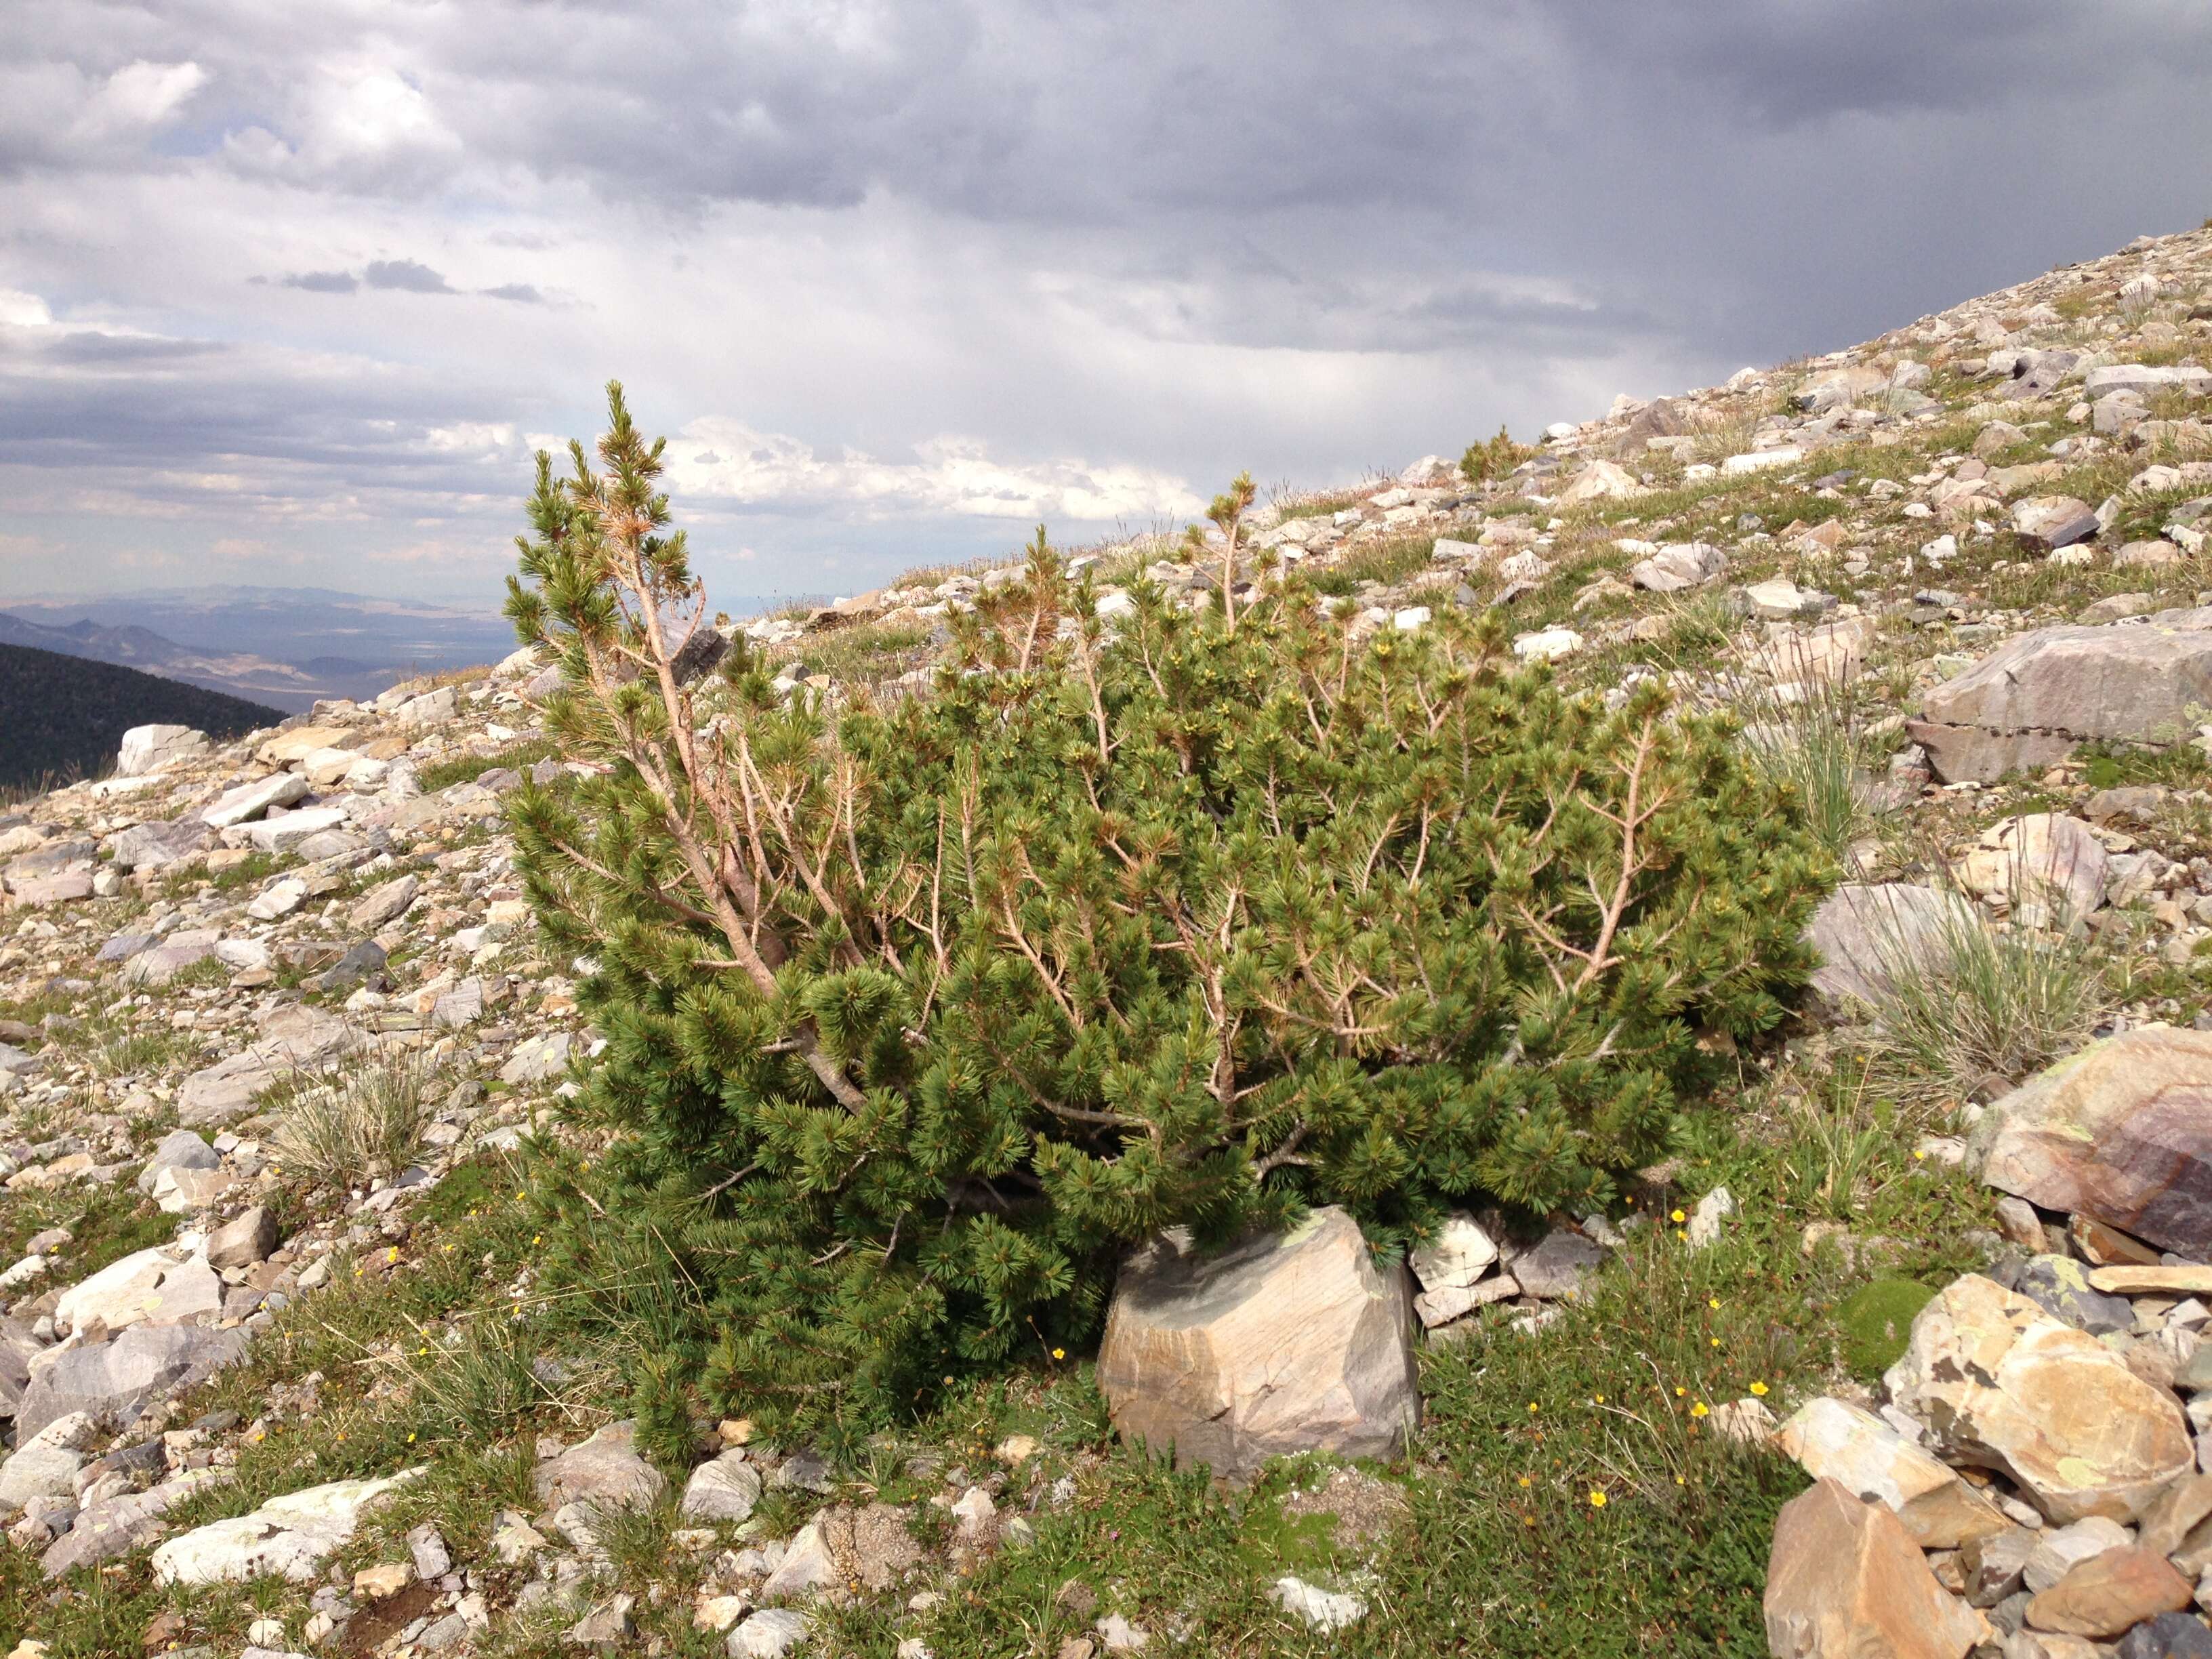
[(21, 310), (725, 460), (143, 95)]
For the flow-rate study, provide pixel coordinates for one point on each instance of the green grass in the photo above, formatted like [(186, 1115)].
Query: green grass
[(2114, 766), (1385, 562), (106, 1223), (251, 870), (467, 769)]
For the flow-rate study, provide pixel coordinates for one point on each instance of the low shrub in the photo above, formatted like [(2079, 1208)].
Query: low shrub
[(918, 1014)]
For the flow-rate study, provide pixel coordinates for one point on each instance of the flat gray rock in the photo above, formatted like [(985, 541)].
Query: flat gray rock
[(115, 1380)]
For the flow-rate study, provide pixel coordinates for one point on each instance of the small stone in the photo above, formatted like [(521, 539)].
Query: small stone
[(1319, 1609), (2018, 1222), (1119, 1635), (386, 1579), (769, 1634), (725, 1488), (2169, 1636), (606, 1625), (1704, 1228), (427, 1546)]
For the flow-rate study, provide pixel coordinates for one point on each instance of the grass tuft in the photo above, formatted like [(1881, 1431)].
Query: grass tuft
[(368, 1122)]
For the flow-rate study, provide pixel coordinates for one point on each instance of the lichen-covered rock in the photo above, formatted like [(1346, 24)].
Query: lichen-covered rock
[(2003, 1385), (1288, 1343), (2121, 1131)]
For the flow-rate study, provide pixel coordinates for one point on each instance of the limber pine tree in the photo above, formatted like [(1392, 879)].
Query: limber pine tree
[(920, 1012)]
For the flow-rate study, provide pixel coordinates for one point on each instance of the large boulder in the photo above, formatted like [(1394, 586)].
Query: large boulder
[(289, 748), (1837, 388), (251, 800), (2121, 1131), (1868, 935), (2051, 522), (1830, 1440), (180, 1149), (1687, 564), (2110, 1594), (115, 1526), (157, 845), (1846, 1581), (114, 1380), (1284, 1343), (1600, 481), (18, 1344), (2000, 1384), (291, 1536), (149, 748), (286, 832), (2036, 698)]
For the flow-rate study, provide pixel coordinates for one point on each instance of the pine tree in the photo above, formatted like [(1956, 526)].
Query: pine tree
[(918, 1014)]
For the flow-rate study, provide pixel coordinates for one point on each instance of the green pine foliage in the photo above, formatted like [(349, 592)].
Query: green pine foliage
[(1494, 459), (919, 1013)]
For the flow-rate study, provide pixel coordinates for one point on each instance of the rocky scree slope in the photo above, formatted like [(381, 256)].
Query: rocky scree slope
[(263, 1398)]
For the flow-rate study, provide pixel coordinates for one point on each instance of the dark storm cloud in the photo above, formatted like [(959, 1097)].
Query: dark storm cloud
[(1523, 199), (323, 282), (408, 275)]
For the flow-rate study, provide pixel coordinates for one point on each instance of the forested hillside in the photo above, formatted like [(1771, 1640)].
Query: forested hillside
[(62, 717)]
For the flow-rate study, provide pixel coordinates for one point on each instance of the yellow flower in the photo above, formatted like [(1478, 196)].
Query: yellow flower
[(410, 1439), (392, 1255), (1713, 1302), (1679, 1392), (1532, 1408), (1597, 1400), (1597, 1500), (1677, 1217), (1524, 1480), (1715, 1340), (1760, 1389), (1699, 1410), (1060, 1354)]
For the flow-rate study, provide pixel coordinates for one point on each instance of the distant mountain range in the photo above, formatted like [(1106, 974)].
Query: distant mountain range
[(284, 646), (63, 717)]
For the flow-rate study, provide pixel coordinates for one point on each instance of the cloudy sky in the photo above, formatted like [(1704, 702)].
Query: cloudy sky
[(288, 294)]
